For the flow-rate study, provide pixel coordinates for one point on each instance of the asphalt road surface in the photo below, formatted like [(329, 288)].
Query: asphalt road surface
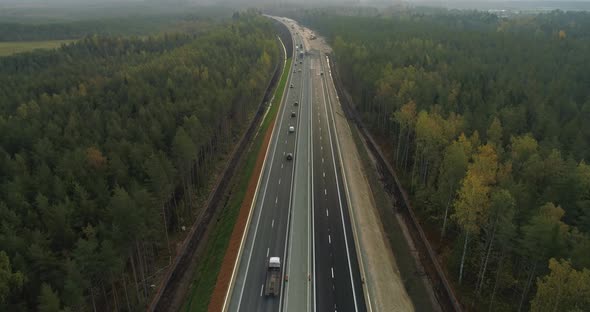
[(300, 212)]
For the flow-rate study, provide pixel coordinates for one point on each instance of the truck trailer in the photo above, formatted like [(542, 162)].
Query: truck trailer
[(273, 277)]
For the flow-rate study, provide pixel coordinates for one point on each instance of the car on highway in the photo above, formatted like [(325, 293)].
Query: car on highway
[(322, 73), (296, 103), (291, 86), (299, 69), (293, 114), (289, 156), (291, 129), (300, 62)]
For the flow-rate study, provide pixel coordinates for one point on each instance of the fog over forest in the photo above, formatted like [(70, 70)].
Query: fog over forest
[(489, 5)]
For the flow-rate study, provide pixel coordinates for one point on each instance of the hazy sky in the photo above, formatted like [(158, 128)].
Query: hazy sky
[(466, 4)]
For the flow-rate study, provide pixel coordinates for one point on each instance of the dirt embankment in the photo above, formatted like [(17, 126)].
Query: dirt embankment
[(231, 254)]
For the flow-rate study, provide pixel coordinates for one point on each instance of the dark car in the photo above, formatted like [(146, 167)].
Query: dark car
[(293, 114), (289, 156), (296, 103)]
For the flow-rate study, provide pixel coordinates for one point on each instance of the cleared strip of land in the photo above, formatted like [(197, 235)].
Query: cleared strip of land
[(14, 47)]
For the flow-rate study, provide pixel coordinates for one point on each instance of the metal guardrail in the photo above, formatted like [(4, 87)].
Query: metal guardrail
[(442, 288)]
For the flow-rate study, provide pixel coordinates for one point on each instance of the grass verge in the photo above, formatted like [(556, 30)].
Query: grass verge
[(401, 250), (13, 47), (207, 270)]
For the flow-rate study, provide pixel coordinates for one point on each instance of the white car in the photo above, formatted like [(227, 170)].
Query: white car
[(291, 129)]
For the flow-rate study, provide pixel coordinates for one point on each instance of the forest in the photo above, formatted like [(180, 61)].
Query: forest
[(106, 146), (486, 121), (118, 18)]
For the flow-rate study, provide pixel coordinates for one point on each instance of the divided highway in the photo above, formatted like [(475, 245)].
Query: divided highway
[(300, 212)]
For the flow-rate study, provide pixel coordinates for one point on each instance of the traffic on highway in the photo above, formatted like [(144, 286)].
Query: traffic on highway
[(298, 249)]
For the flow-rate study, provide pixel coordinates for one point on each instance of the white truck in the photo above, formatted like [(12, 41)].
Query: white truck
[(273, 277)]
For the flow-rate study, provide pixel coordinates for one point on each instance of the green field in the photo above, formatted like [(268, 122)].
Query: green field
[(207, 271), (13, 47)]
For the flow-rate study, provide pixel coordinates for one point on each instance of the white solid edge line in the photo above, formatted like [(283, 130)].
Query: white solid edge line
[(247, 229), (353, 222)]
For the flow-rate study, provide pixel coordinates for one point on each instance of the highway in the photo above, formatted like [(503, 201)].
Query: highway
[(300, 211)]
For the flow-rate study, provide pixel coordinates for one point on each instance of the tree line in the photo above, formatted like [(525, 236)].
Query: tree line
[(114, 19), (104, 147), (486, 120)]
